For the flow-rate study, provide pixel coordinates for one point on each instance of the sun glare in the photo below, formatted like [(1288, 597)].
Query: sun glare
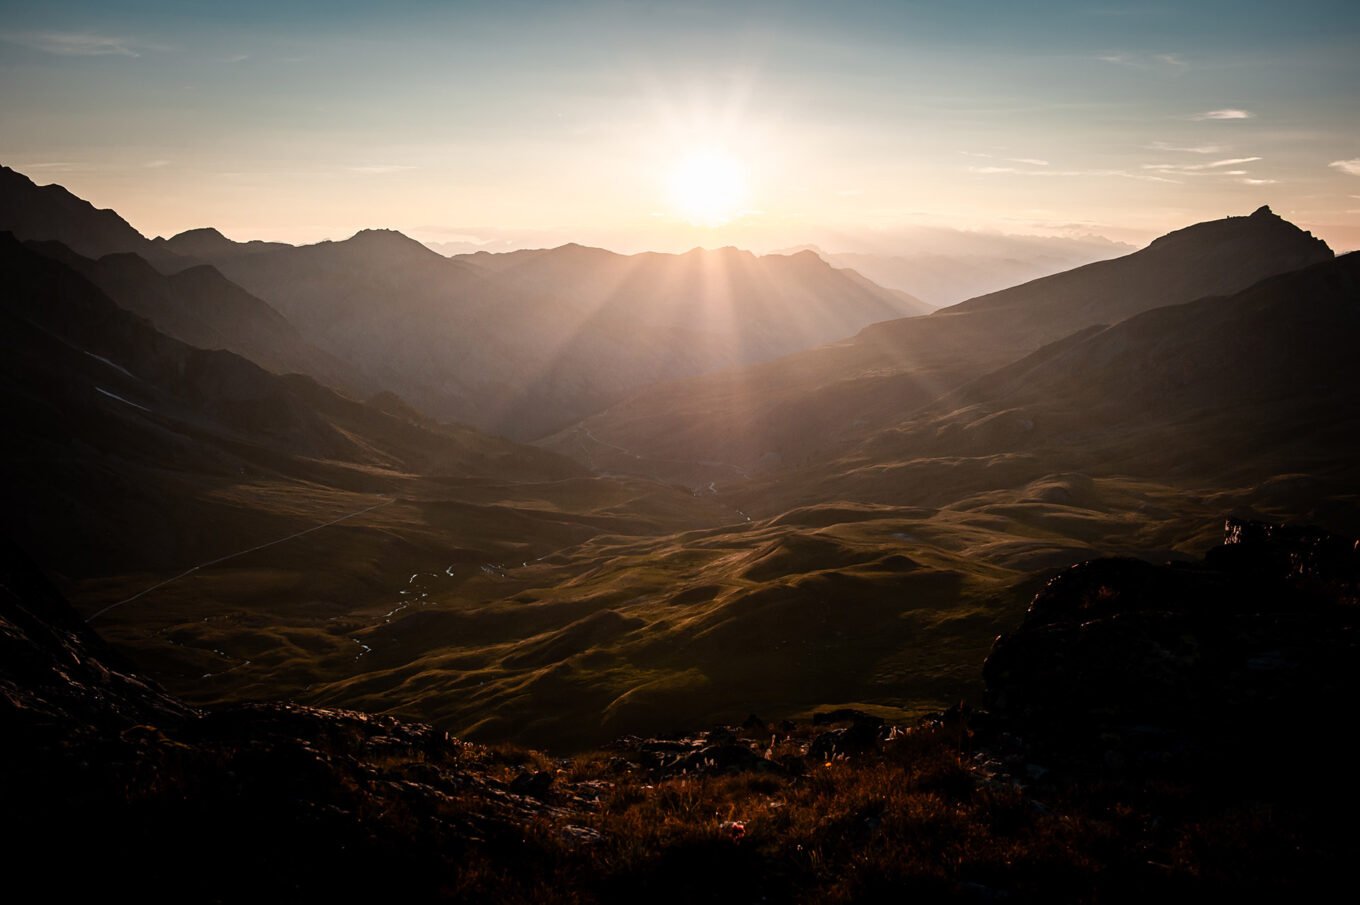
[(708, 188)]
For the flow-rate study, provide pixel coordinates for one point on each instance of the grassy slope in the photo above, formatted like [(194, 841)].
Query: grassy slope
[(581, 610)]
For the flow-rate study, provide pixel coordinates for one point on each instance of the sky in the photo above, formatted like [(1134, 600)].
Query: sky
[(844, 124)]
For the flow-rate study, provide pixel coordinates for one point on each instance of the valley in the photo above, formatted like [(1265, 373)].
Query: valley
[(849, 525), (610, 453)]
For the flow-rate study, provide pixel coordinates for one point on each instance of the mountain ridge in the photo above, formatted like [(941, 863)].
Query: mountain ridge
[(889, 368), (51, 212), (200, 306)]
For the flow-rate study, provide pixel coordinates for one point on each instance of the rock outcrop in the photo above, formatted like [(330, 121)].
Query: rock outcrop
[(1241, 660), (109, 784)]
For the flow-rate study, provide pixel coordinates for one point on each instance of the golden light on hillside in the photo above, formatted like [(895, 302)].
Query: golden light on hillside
[(708, 187)]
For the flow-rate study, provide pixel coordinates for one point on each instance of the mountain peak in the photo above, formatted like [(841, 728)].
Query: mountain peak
[(726, 252), (202, 233), (51, 212), (1262, 231), (387, 246), (380, 235), (204, 241), (386, 239)]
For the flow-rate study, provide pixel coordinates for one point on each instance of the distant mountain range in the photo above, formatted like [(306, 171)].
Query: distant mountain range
[(784, 411), (114, 423), (945, 266), (1256, 391), (238, 458), (201, 307), (518, 344), (523, 343), (51, 213)]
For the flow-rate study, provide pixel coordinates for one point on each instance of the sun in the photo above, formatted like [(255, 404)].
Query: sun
[(708, 187)]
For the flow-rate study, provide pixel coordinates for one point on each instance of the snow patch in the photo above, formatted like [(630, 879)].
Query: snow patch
[(121, 399)]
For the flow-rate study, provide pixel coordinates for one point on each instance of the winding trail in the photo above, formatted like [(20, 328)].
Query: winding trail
[(229, 556)]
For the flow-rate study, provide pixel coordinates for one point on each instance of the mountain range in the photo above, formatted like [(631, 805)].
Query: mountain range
[(812, 403), (945, 266), (526, 342), (518, 344), (243, 461)]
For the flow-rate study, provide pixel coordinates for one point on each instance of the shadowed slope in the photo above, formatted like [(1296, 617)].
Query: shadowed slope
[(524, 342), (945, 267), (207, 244), (811, 404), (51, 213), (237, 530), (519, 344), (1226, 391), (106, 416), (203, 308)]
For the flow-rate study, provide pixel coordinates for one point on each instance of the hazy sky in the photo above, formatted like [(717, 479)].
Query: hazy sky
[(538, 123)]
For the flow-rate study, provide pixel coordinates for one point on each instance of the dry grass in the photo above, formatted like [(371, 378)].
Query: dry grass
[(918, 819)]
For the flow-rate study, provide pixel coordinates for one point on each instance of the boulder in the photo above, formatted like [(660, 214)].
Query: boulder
[(1125, 663)]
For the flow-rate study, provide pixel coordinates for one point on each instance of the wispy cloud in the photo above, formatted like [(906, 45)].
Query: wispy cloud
[(54, 166), (1258, 181), (1190, 149), (379, 169), (1165, 62), (1351, 166), (1120, 174), (1228, 113), (1201, 167), (1031, 161), (79, 44)]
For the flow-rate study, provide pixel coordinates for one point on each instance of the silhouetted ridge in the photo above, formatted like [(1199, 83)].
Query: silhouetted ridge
[(200, 306), (201, 234), (50, 212), (106, 401), (1207, 258), (1263, 231), (388, 240), (525, 342), (813, 405), (207, 244)]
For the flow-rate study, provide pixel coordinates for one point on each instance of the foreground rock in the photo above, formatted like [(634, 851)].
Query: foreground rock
[(1229, 662), (107, 782), (1155, 733)]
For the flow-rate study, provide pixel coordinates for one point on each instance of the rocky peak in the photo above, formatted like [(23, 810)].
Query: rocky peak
[(1261, 233), (201, 234), (386, 245)]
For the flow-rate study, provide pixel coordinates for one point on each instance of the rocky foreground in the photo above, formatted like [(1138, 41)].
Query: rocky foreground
[(1148, 730)]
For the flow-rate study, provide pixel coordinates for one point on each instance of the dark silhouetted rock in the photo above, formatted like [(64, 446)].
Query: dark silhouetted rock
[(861, 736), (534, 784), (1127, 665), (152, 796), (723, 758)]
